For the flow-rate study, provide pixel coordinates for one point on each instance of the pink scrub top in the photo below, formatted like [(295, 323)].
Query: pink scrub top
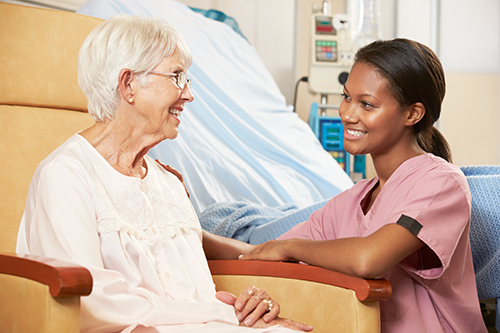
[(431, 198)]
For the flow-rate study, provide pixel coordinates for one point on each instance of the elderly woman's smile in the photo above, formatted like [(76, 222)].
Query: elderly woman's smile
[(174, 112)]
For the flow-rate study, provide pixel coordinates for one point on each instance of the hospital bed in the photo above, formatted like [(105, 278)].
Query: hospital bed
[(41, 106)]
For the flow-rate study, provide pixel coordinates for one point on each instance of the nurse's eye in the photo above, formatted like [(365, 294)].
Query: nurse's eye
[(367, 105), (345, 96)]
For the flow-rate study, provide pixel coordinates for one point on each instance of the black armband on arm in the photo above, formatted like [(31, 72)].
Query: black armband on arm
[(410, 223)]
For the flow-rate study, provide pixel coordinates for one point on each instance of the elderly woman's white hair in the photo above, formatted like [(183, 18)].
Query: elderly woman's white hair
[(123, 41)]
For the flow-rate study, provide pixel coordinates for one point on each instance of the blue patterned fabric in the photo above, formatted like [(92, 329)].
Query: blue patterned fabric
[(278, 227), (239, 219), (251, 223), (484, 184), (481, 170)]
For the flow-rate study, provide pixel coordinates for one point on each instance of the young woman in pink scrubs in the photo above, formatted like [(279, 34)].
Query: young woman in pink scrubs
[(409, 224)]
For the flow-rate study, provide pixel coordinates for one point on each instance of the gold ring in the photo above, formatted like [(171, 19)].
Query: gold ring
[(269, 304)]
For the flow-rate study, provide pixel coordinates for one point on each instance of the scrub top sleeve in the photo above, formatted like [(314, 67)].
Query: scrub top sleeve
[(440, 203)]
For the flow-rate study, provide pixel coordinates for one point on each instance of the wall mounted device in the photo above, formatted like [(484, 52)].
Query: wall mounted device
[(331, 57), (330, 133)]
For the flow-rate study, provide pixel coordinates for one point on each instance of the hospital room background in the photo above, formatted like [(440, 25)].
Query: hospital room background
[(464, 33), (252, 133)]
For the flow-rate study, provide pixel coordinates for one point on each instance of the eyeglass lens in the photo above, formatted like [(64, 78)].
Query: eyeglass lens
[(182, 80)]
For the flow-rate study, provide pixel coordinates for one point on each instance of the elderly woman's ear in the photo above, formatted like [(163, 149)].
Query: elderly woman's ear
[(125, 87)]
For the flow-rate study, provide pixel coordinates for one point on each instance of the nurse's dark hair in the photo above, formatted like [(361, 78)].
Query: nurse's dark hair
[(414, 74)]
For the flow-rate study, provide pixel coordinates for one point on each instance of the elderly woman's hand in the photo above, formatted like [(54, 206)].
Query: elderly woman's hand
[(252, 304), (176, 173), (255, 308)]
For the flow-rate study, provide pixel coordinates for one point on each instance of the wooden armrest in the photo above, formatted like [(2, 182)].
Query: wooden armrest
[(365, 289), (62, 278)]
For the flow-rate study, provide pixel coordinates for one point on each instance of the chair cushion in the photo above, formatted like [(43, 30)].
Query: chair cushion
[(39, 56), (28, 135)]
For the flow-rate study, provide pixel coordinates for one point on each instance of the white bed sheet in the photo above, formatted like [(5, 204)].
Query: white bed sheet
[(239, 140)]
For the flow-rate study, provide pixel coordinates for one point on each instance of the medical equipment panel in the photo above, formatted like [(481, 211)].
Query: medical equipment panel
[(330, 132), (331, 56)]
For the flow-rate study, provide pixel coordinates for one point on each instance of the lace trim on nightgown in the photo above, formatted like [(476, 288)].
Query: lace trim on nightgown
[(173, 214), (107, 225)]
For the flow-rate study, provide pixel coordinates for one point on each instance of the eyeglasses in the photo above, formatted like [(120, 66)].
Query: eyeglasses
[(180, 78)]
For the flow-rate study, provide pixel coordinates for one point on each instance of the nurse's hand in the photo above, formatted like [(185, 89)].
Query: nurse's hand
[(176, 173), (272, 250)]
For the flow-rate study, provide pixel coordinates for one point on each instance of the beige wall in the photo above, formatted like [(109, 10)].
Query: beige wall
[(470, 118)]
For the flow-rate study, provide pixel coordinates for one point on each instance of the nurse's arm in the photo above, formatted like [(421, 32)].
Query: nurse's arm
[(366, 257), (219, 247)]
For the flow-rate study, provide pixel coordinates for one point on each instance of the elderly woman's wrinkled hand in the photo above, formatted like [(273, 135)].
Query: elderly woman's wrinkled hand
[(176, 173), (255, 308), (252, 304)]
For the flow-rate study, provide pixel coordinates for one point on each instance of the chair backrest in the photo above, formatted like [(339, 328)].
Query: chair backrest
[(484, 184), (41, 104)]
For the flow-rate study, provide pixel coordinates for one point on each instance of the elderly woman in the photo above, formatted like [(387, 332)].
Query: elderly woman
[(101, 202)]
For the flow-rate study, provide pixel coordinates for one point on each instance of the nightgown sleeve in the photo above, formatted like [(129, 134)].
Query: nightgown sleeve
[(60, 222)]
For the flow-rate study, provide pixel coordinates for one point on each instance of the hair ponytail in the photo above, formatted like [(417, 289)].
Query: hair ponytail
[(432, 141)]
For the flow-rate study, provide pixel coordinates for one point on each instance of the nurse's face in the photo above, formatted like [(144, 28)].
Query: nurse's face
[(373, 120)]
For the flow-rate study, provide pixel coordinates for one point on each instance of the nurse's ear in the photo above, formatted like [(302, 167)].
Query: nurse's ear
[(414, 113)]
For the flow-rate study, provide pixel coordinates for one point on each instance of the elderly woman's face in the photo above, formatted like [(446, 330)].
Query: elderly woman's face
[(161, 102)]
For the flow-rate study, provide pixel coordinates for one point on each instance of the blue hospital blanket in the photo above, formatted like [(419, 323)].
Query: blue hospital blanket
[(251, 223), (238, 140)]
